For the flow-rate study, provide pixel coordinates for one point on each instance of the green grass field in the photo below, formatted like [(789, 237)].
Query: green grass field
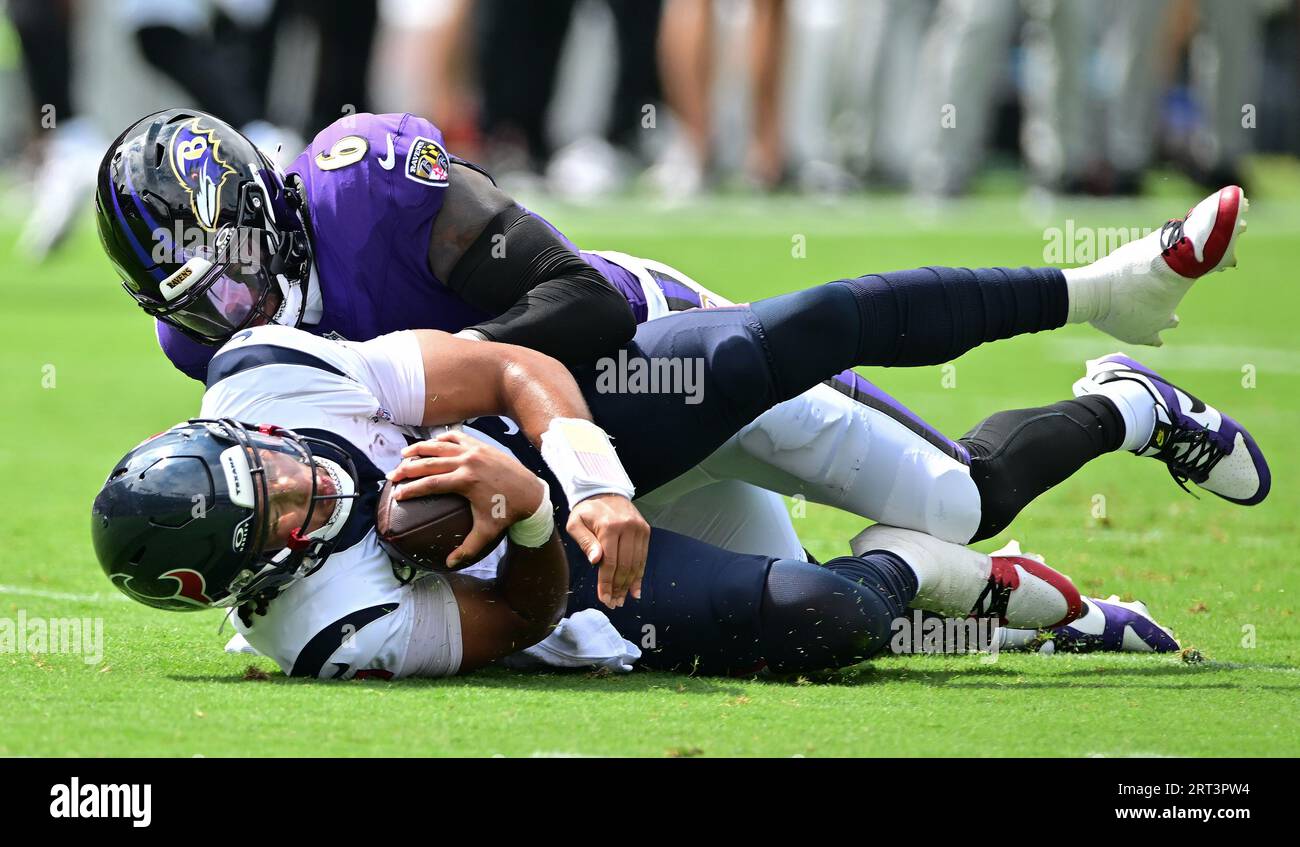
[(82, 380)]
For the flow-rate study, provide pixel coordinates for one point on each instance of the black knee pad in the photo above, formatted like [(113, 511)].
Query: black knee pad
[(813, 618)]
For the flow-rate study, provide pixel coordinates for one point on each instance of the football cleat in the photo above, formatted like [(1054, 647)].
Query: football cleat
[(1149, 277), (955, 581), (1197, 442), (1111, 625)]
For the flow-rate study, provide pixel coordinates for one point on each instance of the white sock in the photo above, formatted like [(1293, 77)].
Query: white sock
[(941, 567), (1136, 407), (1014, 639), (1087, 291)]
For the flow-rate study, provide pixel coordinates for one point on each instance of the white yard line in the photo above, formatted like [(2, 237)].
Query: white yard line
[(42, 594), (1225, 358)]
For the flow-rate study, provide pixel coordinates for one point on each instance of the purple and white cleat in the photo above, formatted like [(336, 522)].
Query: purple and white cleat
[(1197, 442), (1111, 625)]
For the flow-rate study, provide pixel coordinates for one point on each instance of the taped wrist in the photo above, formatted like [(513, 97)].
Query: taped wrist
[(535, 530), (582, 458)]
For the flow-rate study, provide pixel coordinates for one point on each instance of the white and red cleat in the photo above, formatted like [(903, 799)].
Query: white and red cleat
[(1203, 242), (1145, 280), (956, 581)]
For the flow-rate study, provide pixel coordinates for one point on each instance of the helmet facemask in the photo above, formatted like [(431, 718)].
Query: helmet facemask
[(250, 271), (264, 470)]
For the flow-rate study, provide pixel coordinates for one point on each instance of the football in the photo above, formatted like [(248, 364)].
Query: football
[(422, 531)]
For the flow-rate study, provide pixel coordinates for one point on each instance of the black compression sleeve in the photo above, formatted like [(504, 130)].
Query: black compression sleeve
[(1020, 453), (543, 294)]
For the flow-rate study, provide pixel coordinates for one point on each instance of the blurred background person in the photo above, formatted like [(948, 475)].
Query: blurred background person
[(967, 63), (218, 53), (1059, 133), (64, 182), (519, 49), (426, 55), (1223, 45), (828, 97), (604, 152), (238, 40), (688, 61)]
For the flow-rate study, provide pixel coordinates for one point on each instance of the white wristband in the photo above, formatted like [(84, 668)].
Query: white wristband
[(535, 530), (583, 460)]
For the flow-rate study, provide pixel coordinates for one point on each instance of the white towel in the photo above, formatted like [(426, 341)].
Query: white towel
[(586, 640)]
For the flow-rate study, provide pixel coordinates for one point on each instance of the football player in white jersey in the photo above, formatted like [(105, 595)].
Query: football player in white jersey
[(280, 501), (286, 536), (276, 503)]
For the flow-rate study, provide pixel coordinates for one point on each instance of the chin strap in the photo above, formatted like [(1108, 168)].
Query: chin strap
[(293, 256), (293, 302)]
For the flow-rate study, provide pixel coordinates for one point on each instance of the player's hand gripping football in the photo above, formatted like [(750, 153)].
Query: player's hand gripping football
[(614, 536), (500, 490)]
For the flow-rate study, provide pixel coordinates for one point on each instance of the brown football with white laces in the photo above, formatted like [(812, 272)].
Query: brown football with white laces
[(422, 531)]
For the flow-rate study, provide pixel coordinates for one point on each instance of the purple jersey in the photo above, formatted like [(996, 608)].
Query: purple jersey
[(375, 185)]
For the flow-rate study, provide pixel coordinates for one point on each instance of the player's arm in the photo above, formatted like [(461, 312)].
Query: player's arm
[(489, 619), (509, 263), (517, 609), (466, 379)]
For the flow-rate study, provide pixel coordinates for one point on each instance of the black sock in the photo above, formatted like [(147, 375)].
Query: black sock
[(1017, 455)]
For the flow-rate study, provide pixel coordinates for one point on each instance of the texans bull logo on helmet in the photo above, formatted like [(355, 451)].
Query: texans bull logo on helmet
[(190, 590)]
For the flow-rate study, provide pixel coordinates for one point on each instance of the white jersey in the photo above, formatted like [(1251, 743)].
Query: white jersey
[(352, 617)]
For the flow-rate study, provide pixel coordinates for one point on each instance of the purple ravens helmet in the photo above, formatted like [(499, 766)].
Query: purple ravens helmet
[(201, 226)]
